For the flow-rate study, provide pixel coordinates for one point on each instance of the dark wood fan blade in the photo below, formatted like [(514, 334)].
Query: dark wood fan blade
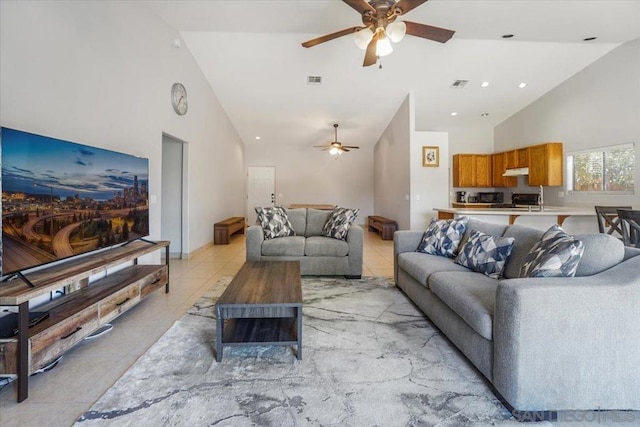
[(360, 5), (407, 5), (331, 36), (370, 56), (355, 147), (437, 34), (344, 149), (321, 146)]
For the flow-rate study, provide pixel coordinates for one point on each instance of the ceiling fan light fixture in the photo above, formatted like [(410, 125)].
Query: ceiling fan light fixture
[(334, 151), (396, 31), (363, 37), (383, 47)]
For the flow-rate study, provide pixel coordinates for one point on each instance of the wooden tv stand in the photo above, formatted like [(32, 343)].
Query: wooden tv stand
[(84, 308)]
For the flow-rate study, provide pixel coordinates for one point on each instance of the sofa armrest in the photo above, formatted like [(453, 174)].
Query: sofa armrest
[(560, 342), (253, 243), (355, 240), (404, 241)]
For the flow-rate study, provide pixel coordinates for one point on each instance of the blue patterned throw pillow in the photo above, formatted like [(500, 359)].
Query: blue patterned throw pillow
[(485, 254), (274, 222), (556, 254), (443, 237), (338, 224)]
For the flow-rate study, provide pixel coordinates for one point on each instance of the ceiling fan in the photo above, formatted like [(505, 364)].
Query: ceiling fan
[(380, 26), (336, 147)]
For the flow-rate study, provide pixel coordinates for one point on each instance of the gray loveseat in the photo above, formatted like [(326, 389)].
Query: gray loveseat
[(545, 344), (318, 255)]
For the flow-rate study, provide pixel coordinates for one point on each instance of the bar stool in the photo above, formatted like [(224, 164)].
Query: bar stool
[(630, 224), (608, 220)]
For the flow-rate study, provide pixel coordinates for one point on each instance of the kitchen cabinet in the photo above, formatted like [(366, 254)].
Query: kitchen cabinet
[(545, 164), (522, 157), (517, 158), (483, 170), (472, 170), (499, 166), (511, 159)]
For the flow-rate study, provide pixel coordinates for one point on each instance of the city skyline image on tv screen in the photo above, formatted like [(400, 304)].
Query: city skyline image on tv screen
[(61, 199)]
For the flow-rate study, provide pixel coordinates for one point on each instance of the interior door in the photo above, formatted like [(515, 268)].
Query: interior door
[(172, 199), (262, 189)]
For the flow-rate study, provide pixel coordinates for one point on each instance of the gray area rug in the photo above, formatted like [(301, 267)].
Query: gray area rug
[(370, 359)]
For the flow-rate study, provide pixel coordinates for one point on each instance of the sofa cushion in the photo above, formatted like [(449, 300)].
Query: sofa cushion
[(420, 266), (471, 295), (485, 254), (298, 220), (601, 252), (443, 237), (274, 222), (495, 230), (325, 246), (525, 238), (556, 254), (316, 219), (339, 222), (284, 246)]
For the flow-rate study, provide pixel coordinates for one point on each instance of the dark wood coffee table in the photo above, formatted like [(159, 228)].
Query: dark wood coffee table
[(261, 306)]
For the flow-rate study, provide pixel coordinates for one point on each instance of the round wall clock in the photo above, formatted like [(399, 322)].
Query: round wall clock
[(179, 98)]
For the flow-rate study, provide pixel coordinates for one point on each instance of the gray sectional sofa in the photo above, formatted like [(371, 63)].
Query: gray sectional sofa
[(318, 255), (545, 344)]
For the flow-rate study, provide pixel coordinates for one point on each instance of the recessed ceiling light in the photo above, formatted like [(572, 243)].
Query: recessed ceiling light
[(455, 113), (507, 36), (484, 84), (522, 85), (258, 138), (484, 114), (588, 39)]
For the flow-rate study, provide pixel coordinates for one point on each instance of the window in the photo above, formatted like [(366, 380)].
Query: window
[(607, 169)]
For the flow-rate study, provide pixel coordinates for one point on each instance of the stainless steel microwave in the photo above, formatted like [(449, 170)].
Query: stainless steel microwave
[(491, 197)]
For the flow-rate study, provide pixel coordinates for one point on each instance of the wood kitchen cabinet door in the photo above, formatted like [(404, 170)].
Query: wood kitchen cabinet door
[(511, 159), (522, 157), (463, 170), (545, 164), (483, 170), (498, 166)]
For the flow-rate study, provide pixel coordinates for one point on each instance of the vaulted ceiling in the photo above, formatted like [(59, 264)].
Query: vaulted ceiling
[(251, 53)]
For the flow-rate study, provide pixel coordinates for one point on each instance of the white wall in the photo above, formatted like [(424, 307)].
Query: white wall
[(100, 73), (309, 175), (599, 106), (391, 168), (429, 185)]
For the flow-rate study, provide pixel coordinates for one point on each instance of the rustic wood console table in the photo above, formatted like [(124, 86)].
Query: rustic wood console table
[(78, 313)]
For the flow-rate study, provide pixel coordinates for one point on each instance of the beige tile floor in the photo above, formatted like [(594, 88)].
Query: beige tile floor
[(59, 396)]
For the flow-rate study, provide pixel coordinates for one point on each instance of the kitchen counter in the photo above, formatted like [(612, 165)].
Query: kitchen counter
[(560, 212)]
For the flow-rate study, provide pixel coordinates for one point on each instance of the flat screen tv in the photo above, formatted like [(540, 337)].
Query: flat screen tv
[(61, 199)]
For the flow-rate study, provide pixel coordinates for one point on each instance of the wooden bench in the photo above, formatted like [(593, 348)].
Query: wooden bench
[(384, 226), (223, 230)]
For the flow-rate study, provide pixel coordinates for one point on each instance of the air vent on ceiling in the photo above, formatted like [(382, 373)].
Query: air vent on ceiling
[(459, 84), (314, 80)]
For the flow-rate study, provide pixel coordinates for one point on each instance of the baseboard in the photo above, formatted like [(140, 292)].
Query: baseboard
[(187, 255)]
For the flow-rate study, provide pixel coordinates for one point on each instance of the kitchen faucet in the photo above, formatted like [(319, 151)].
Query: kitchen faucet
[(541, 199)]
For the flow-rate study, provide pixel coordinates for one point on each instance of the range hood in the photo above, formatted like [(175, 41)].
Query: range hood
[(516, 172)]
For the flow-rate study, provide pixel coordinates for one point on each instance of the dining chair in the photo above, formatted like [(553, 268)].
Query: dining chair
[(630, 225), (608, 221)]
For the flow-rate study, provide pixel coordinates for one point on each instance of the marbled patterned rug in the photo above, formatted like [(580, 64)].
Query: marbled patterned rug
[(370, 358)]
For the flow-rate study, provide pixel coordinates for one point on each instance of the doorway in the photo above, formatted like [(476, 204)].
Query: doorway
[(174, 195), (262, 189)]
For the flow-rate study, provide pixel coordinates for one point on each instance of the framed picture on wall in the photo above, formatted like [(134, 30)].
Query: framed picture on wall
[(431, 156)]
